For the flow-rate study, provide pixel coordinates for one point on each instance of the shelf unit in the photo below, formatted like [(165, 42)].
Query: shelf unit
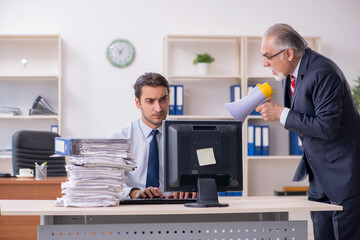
[(179, 53), (237, 61), (19, 88)]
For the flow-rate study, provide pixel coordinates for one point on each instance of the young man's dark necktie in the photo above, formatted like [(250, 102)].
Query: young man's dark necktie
[(153, 163)]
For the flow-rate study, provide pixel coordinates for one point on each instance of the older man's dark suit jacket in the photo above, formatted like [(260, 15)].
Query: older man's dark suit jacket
[(323, 115)]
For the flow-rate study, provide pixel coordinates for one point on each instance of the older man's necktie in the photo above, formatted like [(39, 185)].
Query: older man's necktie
[(293, 79)]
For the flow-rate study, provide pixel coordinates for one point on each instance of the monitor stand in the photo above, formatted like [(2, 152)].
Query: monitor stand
[(207, 195)]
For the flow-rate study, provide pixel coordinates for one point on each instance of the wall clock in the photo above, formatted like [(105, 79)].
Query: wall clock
[(120, 53)]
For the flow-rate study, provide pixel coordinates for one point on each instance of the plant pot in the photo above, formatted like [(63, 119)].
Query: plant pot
[(203, 68)]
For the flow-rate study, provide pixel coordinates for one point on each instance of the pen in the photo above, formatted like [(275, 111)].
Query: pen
[(43, 165)]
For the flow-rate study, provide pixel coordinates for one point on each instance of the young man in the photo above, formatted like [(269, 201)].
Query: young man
[(320, 109), (152, 99)]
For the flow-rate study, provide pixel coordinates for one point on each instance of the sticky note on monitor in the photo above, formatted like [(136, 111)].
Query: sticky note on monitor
[(206, 156)]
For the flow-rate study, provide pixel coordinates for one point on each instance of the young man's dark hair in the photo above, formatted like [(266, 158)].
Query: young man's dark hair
[(152, 80)]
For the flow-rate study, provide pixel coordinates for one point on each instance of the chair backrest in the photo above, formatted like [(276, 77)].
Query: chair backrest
[(29, 147)]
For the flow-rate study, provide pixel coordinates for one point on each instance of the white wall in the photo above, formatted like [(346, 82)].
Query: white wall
[(98, 98)]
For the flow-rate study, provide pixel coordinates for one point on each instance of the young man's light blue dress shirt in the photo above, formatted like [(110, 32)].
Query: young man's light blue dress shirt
[(140, 137)]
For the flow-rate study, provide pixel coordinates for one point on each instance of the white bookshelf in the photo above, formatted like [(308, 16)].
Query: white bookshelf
[(19, 88)]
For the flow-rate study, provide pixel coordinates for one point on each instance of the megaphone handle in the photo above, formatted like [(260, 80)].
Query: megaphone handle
[(265, 100)]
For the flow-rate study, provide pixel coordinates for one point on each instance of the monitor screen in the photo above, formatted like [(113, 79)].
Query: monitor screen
[(202, 157)]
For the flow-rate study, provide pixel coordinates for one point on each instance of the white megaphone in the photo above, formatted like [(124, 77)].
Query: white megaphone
[(240, 109)]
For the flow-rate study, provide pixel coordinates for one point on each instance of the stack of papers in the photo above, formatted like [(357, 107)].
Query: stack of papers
[(96, 171), (41, 107), (9, 111)]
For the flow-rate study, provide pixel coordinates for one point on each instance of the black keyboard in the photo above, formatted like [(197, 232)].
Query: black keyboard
[(156, 201)]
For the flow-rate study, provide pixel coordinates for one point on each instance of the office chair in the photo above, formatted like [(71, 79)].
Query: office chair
[(29, 147)]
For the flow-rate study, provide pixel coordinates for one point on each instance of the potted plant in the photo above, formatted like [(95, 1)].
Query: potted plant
[(203, 61), (356, 93)]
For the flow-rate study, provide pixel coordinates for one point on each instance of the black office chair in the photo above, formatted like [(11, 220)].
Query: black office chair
[(29, 147)]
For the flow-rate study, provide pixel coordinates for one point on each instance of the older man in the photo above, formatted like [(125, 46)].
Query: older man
[(320, 109)]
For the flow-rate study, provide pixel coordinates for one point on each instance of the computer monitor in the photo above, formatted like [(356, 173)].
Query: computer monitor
[(203, 157)]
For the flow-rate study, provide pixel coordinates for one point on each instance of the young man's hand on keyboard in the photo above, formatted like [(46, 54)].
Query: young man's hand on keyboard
[(183, 195), (150, 192)]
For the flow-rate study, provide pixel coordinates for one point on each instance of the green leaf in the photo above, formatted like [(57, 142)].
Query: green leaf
[(203, 58)]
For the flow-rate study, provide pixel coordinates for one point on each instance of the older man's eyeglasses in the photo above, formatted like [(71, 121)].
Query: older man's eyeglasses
[(271, 57)]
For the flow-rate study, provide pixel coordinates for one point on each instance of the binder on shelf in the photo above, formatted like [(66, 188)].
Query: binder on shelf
[(253, 112), (295, 144), (265, 139), (295, 188), (258, 141), (179, 100), (290, 193), (251, 140), (41, 107), (54, 128), (235, 93), (172, 104), (229, 194), (9, 111), (237, 194)]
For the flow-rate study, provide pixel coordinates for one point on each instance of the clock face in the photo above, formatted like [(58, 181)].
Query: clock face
[(120, 53)]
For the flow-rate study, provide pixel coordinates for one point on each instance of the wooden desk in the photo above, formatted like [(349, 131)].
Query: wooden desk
[(155, 220), (25, 227)]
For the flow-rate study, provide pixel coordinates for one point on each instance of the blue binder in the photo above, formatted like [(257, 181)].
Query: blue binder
[(172, 104), (54, 128), (295, 144), (251, 140), (179, 100), (253, 112), (235, 93), (265, 140), (229, 194), (83, 146), (258, 141)]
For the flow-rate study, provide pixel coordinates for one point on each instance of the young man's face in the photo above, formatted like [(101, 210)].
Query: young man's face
[(154, 105)]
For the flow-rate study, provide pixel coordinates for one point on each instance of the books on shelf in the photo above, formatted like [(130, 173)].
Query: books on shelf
[(235, 93), (54, 128), (96, 170), (296, 188), (258, 140), (41, 107), (295, 144), (292, 191), (176, 106), (230, 194), (253, 112)]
